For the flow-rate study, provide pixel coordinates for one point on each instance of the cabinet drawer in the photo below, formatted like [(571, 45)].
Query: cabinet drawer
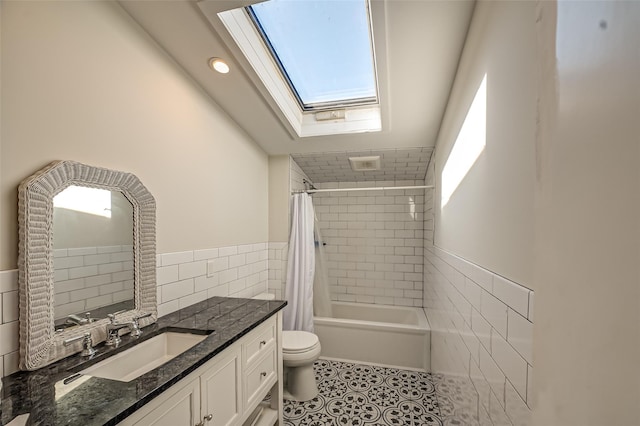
[(259, 342), (262, 375)]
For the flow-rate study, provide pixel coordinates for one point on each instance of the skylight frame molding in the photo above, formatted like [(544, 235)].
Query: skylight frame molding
[(328, 105), (358, 119)]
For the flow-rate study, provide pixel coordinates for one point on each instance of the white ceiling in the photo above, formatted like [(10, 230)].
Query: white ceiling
[(419, 45)]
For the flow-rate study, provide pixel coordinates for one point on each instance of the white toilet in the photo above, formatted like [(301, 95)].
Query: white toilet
[(300, 349)]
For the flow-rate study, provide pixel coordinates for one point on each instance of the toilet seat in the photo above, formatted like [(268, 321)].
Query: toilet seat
[(295, 342), (299, 348)]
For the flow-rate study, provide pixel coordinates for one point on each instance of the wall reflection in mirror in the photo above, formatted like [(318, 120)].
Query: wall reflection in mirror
[(93, 255)]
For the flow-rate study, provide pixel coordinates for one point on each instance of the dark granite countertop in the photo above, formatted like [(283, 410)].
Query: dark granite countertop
[(98, 401)]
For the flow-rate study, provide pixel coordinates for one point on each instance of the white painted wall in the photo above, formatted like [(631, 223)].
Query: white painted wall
[(82, 81), (279, 195), (489, 218), (287, 177), (478, 275), (587, 324), (281, 172), (565, 149)]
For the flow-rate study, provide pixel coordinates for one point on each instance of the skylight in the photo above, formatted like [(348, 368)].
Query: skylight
[(315, 58), (324, 49)]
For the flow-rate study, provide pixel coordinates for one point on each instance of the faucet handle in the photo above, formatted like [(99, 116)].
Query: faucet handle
[(135, 330), (113, 332), (112, 317), (87, 344), (71, 340)]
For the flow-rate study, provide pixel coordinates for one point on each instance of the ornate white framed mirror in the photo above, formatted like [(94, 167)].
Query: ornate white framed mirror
[(86, 249)]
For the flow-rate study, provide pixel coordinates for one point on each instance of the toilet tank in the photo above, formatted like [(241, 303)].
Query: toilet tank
[(265, 296)]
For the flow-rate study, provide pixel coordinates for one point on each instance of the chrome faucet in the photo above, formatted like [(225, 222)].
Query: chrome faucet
[(113, 330), (87, 344), (135, 325), (74, 319)]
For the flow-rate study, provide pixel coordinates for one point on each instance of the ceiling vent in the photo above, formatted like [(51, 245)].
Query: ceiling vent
[(363, 164)]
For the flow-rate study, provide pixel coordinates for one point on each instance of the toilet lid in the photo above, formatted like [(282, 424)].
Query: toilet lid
[(298, 341)]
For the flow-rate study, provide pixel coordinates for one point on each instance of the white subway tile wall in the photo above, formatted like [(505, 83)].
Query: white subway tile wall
[(95, 277), (395, 164), (9, 328), (374, 242), (429, 194), (188, 277), (278, 253), (184, 278), (481, 330)]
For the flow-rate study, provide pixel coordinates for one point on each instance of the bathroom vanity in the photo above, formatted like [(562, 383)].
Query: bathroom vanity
[(212, 363), (221, 380)]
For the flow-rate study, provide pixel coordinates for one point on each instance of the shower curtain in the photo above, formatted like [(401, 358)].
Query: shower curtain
[(321, 296), (298, 314)]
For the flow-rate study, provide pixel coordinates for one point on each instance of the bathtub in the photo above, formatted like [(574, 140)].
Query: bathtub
[(387, 335)]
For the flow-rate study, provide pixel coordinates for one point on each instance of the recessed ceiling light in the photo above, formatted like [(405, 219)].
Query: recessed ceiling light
[(219, 65)]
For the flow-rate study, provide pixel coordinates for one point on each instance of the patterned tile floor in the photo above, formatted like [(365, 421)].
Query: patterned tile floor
[(357, 394)]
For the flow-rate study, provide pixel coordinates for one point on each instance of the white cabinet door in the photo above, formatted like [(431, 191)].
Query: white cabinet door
[(221, 390), (182, 408)]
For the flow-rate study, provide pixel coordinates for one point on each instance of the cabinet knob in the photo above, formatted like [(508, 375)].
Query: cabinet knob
[(263, 374), (206, 418), (263, 342)]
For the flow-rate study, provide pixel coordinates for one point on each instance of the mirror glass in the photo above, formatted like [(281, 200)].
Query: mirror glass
[(87, 243), (92, 255)]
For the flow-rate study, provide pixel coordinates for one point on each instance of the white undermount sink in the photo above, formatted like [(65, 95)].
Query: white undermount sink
[(144, 357)]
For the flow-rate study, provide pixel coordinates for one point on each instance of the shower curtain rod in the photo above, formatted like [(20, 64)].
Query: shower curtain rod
[(375, 188)]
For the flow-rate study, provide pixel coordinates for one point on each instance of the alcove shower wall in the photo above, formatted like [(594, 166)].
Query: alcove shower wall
[(374, 242)]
